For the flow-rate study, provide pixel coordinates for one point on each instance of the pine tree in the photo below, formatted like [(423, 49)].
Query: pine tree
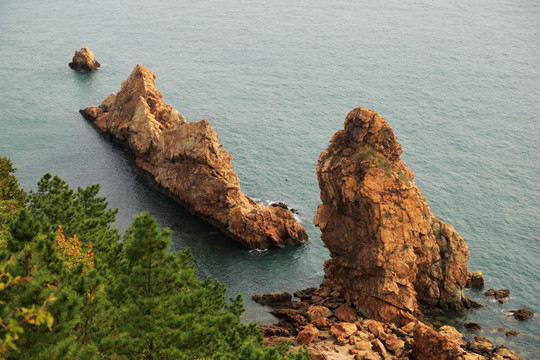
[(130, 299), (12, 198), (164, 311)]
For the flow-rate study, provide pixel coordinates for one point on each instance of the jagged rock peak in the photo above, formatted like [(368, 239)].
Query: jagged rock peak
[(388, 251), (84, 60), (186, 160)]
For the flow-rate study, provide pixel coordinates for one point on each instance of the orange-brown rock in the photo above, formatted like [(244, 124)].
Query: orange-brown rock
[(388, 252), (318, 311), (345, 313), (187, 161), (343, 330), (429, 345), (309, 334), (84, 60)]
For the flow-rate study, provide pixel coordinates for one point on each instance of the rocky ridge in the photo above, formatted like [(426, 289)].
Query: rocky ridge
[(84, 60), (388, 251), (188, 162)]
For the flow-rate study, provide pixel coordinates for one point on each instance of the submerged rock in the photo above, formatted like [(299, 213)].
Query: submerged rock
[(472, 326), (498, 294), (187, 161), (84, 60), (388, 252)]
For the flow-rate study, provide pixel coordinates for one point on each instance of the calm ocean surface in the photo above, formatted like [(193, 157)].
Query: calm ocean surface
[(458, 80)]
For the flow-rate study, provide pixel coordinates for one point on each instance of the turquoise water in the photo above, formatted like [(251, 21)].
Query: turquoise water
[(459, 81)]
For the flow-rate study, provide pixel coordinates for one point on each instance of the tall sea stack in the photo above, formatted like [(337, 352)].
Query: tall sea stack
[(388, 251), (187, 161)]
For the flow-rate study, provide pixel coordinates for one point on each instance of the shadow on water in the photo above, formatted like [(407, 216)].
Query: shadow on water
[(84, 78)]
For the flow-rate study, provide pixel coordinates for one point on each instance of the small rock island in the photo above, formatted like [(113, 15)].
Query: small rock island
[(187, 161), (84, 60)]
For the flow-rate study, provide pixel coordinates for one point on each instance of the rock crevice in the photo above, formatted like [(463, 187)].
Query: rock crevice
[(187, 160)]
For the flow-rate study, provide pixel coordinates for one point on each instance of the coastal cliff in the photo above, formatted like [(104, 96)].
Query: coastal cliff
[(388, 251), (186, 159)]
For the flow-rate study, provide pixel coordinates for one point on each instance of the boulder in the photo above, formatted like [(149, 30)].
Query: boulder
[(188, 163), (343, 330), (318, 311), (504, 352), (84, 60), (497, 294), (522, 314), (475, 280), (309, 334), (376, 328), (388, 252), (480, 345), (364, 345), (320, 323), (345, 313), (393, 343), (429, 344), (379, 348), (451, 333), (472, 326)]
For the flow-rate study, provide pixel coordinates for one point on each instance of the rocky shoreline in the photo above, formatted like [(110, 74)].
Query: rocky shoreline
[(323, 321)]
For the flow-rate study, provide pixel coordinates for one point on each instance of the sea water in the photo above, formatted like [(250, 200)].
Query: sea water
[(459, 81)]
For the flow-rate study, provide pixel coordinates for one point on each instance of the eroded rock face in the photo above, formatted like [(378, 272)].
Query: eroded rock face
[(388, 251), (186, 159), (84, 60)]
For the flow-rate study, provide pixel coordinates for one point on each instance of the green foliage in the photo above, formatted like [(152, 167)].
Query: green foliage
[(11, 198), (404, 177), (164, 311), (9, 185), (367, 153), (13, 318), (129, 299), (80, 213), (387, 134)]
